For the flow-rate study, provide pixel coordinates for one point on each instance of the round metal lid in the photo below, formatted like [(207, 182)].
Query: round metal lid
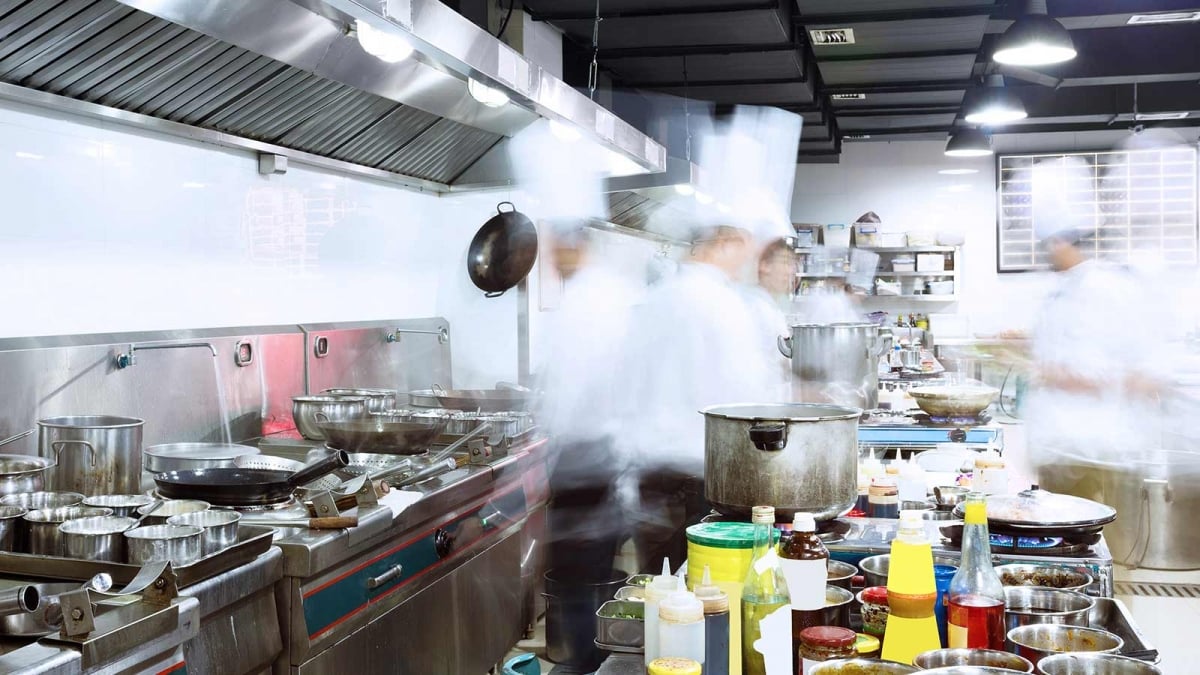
[(783, 412), (1038, 508), (205, 451)]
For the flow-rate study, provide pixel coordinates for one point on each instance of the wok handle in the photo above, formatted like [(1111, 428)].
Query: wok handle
[(512, 207), (493, 294), (57, 447), (332, 523), (784, 342), (336, 460)]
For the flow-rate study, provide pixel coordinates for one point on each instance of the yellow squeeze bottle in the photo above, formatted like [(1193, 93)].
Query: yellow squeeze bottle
[(911, 625)]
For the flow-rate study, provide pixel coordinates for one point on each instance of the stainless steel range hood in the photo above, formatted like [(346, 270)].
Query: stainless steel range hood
[(638, 202), (291, 77)]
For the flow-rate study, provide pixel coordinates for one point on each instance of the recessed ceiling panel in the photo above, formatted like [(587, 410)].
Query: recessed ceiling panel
[(764, 26), (753, 94), (858, 6), (774, 65), (891, 37), (895, 122), (901, 99), (921, 69)]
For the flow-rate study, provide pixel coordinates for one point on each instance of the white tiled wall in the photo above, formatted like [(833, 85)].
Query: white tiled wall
[(106, 228)]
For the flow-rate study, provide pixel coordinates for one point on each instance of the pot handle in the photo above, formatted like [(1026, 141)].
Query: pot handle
[(769, 436), (493, 294), (512, 207), (784, 342), (57, 447)]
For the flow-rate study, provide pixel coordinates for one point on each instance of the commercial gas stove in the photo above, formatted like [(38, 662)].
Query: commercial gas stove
[(914, 430), (852, 539)]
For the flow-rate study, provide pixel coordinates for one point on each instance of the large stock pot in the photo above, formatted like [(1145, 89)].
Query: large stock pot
[(793, 456), (96, 454), (835, 363)]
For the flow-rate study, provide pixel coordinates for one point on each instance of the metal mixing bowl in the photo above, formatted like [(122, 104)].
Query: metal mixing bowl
[(875, 568), (96, 538), (940, 658), (1095, 664), (1028, 605), (42, 500), (333, 408), (121, 505), (180, 544), (840, 574), (1037, 641)]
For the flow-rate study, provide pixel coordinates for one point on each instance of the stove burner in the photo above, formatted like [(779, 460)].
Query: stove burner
[(1065, 546), (953, 420), (287, 503)]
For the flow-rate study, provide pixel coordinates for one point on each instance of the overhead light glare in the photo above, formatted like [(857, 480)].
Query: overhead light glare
[(957, 172), (1163, 17), (21, 154), (383, 45), (703, 197), (489, 96), (993, 105), (684, 189), (1158, 117), (1034, 40), (968, 142), (564, 132)]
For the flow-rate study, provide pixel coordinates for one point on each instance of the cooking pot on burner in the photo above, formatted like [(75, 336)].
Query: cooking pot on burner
[(794, 456)]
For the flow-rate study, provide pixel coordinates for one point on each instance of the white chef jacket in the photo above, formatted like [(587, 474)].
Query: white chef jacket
[(697, 344), (772, 324), (1094, 324)]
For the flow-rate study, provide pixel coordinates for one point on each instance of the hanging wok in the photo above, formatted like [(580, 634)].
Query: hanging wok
[(502, 252), (244, 487)]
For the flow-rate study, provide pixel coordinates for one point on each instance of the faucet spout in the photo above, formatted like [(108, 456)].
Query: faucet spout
[(129, 358)]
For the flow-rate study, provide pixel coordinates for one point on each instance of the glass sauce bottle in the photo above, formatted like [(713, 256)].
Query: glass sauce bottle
[(805, 563), (764, 592), (975, 614)]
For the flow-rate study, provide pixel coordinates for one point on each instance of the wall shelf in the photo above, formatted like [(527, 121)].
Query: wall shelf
[(947, 273)]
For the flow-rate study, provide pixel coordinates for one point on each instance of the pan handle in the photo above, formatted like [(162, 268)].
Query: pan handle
[(493, 294), (17, 437), (336, 460), (784, 342), (511, 206), (57, 447)]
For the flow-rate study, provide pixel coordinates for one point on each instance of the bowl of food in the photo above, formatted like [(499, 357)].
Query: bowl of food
[(1037, 641), (941, 658), (1045, 576)]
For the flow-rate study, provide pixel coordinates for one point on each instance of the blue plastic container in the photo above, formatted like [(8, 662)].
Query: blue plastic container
[(942, 574)]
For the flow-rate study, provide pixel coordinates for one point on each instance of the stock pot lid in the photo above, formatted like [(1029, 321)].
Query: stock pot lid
[(1040, 508), (784, 412)]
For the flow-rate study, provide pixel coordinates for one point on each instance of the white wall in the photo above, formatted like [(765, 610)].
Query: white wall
[(112, 229)]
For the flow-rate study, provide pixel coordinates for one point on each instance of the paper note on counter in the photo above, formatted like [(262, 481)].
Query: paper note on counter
[(398, 500)]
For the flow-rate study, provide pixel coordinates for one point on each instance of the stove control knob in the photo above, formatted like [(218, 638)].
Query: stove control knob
[(958, 436), (443, 543)]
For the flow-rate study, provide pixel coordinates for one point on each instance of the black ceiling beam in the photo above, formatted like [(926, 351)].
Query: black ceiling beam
[(900, 111), (899, 87), (713, 83), (642, 13), (1046, 127), (694, 50), (850, 18), (932, 53)]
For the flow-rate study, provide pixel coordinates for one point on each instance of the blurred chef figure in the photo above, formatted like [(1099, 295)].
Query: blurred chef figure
[(771, 301), (698, 343), (1096, 381), (584, 380)]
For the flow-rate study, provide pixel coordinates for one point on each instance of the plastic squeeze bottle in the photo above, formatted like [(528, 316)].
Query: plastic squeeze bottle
[(912, 592), (717, 658), (657, 590), (681, 627)]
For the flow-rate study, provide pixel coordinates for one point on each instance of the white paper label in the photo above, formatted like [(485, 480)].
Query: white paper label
[(764, 564), (806, 580)]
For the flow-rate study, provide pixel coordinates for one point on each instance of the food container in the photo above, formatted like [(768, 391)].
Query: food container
[(837, 607), (970, 670), (121, 505), (631, 593), (96, 538), (893, 239), (220, 527), (671, 665), (904, 263), (1045, 576), (940, 658), (42, 500), (940, 288), (931, 262), (10, 523), (42, 526), (1038, 641), (866, 235), (860, 667), (874, 610), (1027, 605), (188, 456), (180, 544), (836, 235), (840, 574), (867, 646), (170, 507), (334, 408), (1095, 664), (621, 623), (949, 496), (921, 238), (642, 580)]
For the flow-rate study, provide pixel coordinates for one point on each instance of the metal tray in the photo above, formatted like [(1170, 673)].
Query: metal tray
[(618, 634), (1112, 615), (618, 649), (253, 541)]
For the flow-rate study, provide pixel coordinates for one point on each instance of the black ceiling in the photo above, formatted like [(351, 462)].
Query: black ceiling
[(912, 59)]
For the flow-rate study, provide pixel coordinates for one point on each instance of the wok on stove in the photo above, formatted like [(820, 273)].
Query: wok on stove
[(383, 434)]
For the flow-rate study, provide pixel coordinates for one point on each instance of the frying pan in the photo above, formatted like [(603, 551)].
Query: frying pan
[(502, 252), (483, 400), (244, 487), (380, 434)]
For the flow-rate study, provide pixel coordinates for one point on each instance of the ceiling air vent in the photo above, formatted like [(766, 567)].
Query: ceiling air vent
[(1157, 117), (847, 97), (1162, 17), (832, 36), (855, 137)]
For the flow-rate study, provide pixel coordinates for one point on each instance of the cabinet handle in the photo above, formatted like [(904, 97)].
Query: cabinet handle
[(391, 574)]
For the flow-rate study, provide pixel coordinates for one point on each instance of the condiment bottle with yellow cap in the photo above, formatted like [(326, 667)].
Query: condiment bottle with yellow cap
[(673, 666), (717, 658), (912, 592)]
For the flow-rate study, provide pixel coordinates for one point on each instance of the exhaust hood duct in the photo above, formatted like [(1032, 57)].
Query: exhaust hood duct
[(291, 77), (635, 201)]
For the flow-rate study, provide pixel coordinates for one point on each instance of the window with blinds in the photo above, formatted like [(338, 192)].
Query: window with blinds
[(1134, 205)]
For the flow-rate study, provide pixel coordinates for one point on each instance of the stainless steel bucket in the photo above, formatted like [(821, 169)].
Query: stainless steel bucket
[(96, 454), (835, 363), (797, 457)]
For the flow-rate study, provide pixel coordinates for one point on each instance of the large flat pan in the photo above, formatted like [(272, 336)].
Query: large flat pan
[(483, 400), (381, 436), (244, 487)]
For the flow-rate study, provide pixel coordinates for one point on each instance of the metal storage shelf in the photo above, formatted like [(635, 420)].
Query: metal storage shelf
[(947, 273), (914, 298), (910, 249)]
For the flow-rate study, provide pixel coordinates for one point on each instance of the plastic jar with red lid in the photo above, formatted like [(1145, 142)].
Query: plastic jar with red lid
[(825, 643)]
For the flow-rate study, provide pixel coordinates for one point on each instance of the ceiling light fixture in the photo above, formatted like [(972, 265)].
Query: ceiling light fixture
[(968, 142), (489, 96), (994, 104), (1034, 40), (1159, 116), (382, 44), (957, 172), (1162, 17)]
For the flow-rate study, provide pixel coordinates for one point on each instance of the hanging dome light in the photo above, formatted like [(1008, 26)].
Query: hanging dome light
[(968, 142), (994, 104), (1034, 40)]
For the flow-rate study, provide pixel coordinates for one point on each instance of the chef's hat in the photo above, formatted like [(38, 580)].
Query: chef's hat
[(1062, 193)]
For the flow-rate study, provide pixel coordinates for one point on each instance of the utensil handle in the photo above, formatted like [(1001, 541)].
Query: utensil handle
[(494, 294), (57, 447), (784, 342), (427, 473), (336, 460), (512, 207), (393, 573), (19, 600), (450, 449), (332, 522), (17, 437)]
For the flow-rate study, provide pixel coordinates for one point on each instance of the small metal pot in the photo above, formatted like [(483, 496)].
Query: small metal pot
[(378, 400), (42, 500), (839, 574), (837, 607), (1028, 605), (970, 670), (44, 537), (220, 528), (96, 538), (334, 408), (171, 507), (859, 667), (1044, 576), (23, 473), (1038, 641), (875, 568), (121, 505), (940, 658), (180, 544), (1095, 664), (949, 496), (10, 522)]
